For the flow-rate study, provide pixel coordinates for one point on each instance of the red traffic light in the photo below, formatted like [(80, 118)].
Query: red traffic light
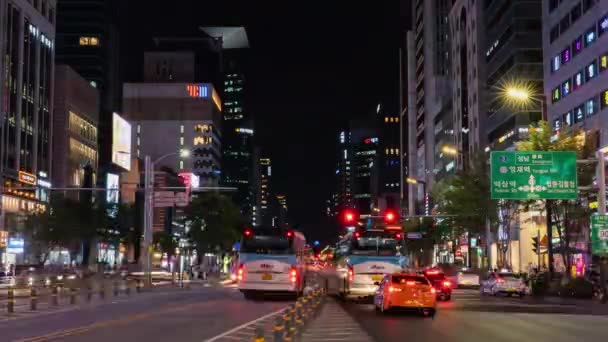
[(390, 216), (248, 232), (350, 216), (289, 234)]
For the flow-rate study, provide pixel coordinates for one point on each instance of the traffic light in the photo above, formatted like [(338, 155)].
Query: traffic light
[(535, 245), (350, 216), (391, 216)]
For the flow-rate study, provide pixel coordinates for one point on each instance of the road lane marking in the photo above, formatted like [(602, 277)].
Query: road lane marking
[(109, 323), (244, 325)]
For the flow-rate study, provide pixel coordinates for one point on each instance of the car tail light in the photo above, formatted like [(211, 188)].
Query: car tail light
[(294, 275), (433, 290), (351, 274), (394, 289), (432, 272), (240, 273), (500, 280), (410, 283), (447, 284)]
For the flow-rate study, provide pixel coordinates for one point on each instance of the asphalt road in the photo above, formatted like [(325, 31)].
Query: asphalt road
[(469, 317), (178, 315)]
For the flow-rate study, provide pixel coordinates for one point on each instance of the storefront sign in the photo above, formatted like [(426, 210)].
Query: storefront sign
[(3, 238), (15, 246), (533, 175), (599, 234), (27, 178)]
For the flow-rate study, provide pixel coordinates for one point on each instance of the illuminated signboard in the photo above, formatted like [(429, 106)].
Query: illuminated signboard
[(197, 90), (15, 246), (216, 99), (565, 88), (373, 140), (590, 36), (27, 178), (557, 124), (556, 94), (590, 107), (568, 118), (112, 188), (190, 179), (121, 142), (556, 63)]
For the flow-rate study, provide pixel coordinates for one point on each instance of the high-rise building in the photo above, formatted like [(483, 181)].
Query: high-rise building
[(88, 41), (75, 134), (343, 197), (364, 169), (388, 162), (237, 120), (265, 191), (282, 210), (513, 55), (575, 41), (467, 32), (428, 97), (28, 58)]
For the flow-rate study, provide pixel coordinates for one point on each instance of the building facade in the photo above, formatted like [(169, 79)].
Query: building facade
[(186, 116), (265, 192), (28, 35), (575, 46), (75, 134)]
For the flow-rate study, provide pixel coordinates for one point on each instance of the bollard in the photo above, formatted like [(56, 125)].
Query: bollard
[(279, 329), (33, 299), (72, 296), (10, 306), (54, 294), (115, 288), (259, 334)]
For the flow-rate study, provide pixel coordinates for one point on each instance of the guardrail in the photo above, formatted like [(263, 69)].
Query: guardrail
[(72, 294)]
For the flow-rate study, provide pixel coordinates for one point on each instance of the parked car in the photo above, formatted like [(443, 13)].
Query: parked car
[(467, 279)]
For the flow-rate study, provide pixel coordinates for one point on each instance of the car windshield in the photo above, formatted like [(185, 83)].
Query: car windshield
[(404, 279)]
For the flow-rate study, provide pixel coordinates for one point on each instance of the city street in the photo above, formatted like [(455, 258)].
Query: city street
[(469, 317), (176, 315)]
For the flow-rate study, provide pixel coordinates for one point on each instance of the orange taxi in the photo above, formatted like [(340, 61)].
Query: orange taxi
[(406, 291)]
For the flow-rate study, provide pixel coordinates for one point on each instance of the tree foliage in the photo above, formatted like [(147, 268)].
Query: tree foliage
[(214, 221), (569, 217)]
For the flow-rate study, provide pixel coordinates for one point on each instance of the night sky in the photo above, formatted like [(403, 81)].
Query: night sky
[(313, 66)]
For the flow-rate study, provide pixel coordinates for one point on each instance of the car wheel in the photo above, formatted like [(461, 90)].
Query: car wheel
[(428, 312)]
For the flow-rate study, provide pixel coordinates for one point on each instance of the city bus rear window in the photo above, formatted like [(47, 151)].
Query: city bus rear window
[(266, 244)]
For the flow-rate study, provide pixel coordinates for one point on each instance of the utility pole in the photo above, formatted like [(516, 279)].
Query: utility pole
[(148, 191)]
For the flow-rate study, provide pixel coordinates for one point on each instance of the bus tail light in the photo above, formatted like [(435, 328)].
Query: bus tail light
[(351, 274), (240, 272), (293, 275)]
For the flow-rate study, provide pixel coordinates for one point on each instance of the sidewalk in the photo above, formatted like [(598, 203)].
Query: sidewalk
[(334, 324)]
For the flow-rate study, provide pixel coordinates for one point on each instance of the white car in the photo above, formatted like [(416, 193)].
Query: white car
[(503, 283), (466, 279)]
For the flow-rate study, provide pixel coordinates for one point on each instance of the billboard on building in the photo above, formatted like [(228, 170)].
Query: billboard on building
[(121, 142), (112, 188)]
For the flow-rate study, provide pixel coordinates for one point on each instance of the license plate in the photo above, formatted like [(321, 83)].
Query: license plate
[(378, 277), (466, 283), (266, 276), (512, 289)]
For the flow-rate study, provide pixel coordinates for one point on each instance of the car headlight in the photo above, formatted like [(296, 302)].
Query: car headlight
[(47, 281), (59, 277), (30, 281), (73, 276)]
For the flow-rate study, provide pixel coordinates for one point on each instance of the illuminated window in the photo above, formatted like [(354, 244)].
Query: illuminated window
[(566, 55), (590, 36), (386, 119), (181, 164), (397, 119), (577, 80), (556, 63), (579, 113), (181, 141), (181, 129), (604, 62), (88, 41), (590, 107), (604, 99), (557, 124), (556, 95), (591, 70), (577, 46), (138, 129), (602, 25), (568, 118), (565, 88)]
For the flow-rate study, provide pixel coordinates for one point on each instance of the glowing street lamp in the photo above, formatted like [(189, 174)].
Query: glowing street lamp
[(518, 94), (450, 150)]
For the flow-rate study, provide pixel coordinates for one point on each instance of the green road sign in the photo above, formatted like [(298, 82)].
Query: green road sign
[(533, 175), (599, 234)]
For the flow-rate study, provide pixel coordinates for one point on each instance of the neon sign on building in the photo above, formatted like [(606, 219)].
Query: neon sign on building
[(197, 90)]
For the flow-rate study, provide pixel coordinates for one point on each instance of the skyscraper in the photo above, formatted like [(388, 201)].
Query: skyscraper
[(237, 120), (265, 191), (28, 32)]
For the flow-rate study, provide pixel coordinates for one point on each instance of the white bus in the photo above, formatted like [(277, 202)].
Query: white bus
[(364, 257), (271, 261)]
